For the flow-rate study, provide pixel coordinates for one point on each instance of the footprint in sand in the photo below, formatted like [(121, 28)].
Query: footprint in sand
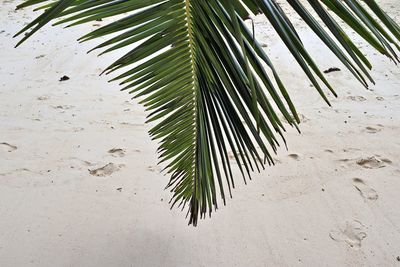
[(73, 129), (351, 149), (294, 156), (373, 162), (78, 164), (63, 107), (106, 170), (373, 130), (352, 233), (10, 148), (117, 152), (42, 98), (365, 191), (19, 171), (83, 162), (154, 169), (357, 98)]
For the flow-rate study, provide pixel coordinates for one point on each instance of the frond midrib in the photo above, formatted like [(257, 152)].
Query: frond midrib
[(193, 70)]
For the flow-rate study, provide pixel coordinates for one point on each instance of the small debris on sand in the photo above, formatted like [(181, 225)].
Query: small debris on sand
[(64, 78), (331, 70)]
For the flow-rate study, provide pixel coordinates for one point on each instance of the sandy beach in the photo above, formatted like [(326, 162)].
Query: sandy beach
[(80, 184)]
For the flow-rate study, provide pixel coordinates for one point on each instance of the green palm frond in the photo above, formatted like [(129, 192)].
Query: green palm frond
[(200, 74)]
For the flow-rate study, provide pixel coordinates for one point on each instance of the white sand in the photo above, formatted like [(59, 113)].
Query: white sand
[(332, 199)]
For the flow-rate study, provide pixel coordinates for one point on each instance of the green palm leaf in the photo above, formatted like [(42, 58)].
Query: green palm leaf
[(199, 72)]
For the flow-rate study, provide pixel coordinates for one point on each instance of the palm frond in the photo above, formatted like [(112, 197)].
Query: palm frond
[(199, 72)]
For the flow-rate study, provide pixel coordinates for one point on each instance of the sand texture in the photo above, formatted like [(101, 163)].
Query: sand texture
[(80, 184)]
